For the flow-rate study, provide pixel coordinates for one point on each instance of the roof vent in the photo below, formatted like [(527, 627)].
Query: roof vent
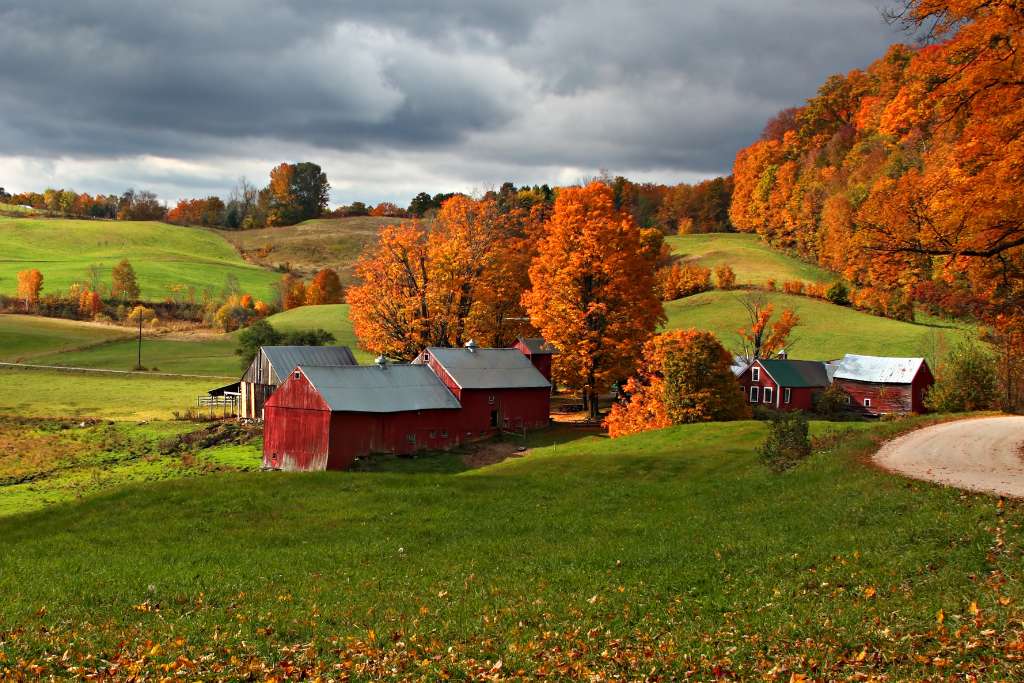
[(783, 354), (381, 362), (471, 346)]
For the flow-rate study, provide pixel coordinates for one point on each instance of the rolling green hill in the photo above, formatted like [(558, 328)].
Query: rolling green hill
[(753, 261), (162, 255), (826, 331), (672, 553), (312, 245), (24, 337)]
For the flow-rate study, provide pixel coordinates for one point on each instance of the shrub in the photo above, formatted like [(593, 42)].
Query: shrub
[(677, 281), (769, 285), (830, 402), (838, 294), (967, 381), (793, 287), (725, 277), (815, 290), (788, 442)]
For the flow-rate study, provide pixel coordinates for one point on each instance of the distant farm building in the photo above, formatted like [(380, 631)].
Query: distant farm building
[(271, 366), (326, 417), (539, 352), (783, 384), (873, 385), (880, 386)]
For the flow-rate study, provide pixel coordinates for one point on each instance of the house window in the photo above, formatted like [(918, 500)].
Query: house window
[(755, 374), (767, 394), (867, 403), (786, 395), (755, 394)]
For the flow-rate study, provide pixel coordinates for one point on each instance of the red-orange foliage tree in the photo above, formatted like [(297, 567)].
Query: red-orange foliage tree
[(593, 291), (685, 376), (324, 289), (764, 338)]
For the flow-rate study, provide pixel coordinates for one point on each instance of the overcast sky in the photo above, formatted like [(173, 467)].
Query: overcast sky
[(394, 97)]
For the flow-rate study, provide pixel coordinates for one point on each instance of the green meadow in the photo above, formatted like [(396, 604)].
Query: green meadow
[(826, 331), (671, 554), (24, 337), (753, 261), (163, 256)]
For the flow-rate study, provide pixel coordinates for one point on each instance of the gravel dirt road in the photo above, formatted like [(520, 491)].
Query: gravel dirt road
[(983, 454)]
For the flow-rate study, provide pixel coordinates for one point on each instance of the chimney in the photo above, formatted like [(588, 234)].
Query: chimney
[(471, 346), (381, 362), (783, 355)]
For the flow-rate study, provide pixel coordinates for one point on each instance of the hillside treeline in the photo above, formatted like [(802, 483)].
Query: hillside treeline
[(906, 177)]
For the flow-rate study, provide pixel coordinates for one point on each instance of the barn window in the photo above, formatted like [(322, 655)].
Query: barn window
[(490, 399), (444, 433), (755, 394), (786, 394), (297, 374), (847, 399), (433, 434), (411, 437), (767, 394), (867, 403), (755, 374)]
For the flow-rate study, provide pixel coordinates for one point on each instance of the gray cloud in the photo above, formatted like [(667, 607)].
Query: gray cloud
[(469, 93)]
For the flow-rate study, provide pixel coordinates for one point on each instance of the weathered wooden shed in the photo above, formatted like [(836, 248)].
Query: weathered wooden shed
[(878, 385), (325, 417), (783, 384), (497, 388), (271, 366), (539, 352)]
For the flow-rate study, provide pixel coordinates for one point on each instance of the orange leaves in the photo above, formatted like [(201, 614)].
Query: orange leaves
[(30, 283), (679, 280), (324, 289), (593, 293), (764, 338)]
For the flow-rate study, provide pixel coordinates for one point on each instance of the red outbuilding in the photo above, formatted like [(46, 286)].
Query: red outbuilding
[(879, 386), (497, 388), (783, 384), (326, 417), (539, 352)]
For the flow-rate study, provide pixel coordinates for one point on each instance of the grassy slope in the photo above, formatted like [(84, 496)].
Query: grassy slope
[(671, 549), (211, 355), (309, 246), (46, 393), (753, 261), (826, 331), (162, 255), (22, 337)]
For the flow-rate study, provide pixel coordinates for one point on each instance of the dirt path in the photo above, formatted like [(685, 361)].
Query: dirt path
[(978, 455)]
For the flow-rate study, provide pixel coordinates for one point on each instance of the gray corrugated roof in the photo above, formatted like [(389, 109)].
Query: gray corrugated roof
[(372, 389), (537, 346), (284, 359), (878, 369), (489, 368)]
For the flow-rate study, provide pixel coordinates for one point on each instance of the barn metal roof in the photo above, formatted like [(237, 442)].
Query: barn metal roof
[(796, 373), (489, 368), (878, 369), (537, 346), (375, 389), (284, 359)]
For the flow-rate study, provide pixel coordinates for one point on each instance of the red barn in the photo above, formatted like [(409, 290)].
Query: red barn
[(539, 352), (783, 384), (877, 386), (326, 417), (497, 388)]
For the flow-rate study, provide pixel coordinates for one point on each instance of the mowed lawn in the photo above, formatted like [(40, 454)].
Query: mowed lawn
[(163, 255), (753, 261), (54, 393), (670, 554), (24, 337), (826, 331), (207, 354), (312, 245)]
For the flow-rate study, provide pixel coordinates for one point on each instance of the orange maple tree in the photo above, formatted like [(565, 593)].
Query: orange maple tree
[(30, 284), (763, 338), (325, 288), (592, 291), (685, 376)]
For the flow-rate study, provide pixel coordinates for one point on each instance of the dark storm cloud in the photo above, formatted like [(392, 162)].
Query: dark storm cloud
[(511, 88)]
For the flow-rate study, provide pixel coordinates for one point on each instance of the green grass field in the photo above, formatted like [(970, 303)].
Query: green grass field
[(310, 246), (53, 393), (753, 261), (826, 331), (204, 355), (162, 255), (671, 554), (24, 337)]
